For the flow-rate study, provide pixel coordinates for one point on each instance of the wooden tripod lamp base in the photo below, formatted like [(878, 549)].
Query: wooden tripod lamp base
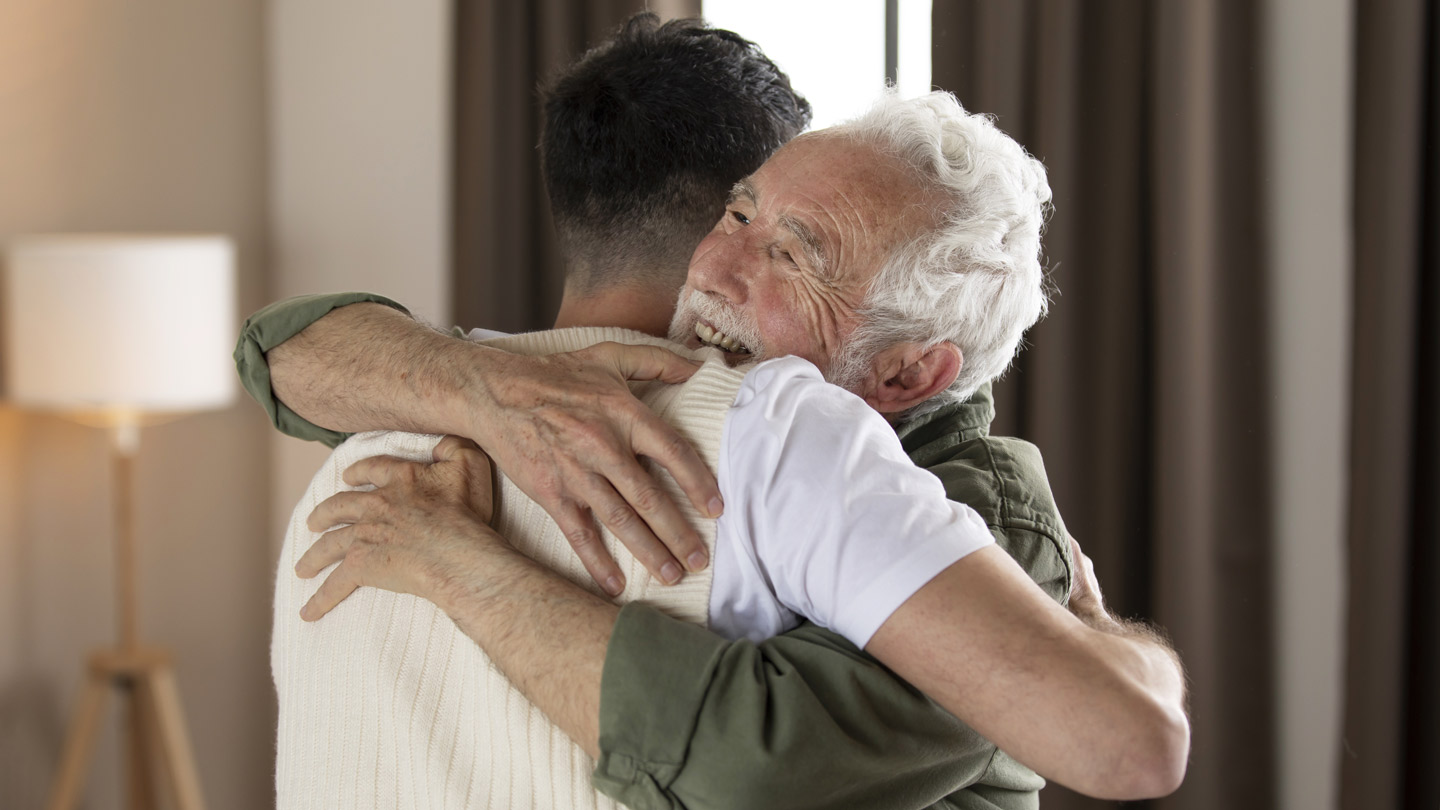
[(156, 734), (157, 729)]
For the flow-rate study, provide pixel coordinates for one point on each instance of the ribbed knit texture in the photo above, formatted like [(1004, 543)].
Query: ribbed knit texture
[(384, 703)]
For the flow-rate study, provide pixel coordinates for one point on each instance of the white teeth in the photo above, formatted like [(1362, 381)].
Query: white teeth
[(717, 338)]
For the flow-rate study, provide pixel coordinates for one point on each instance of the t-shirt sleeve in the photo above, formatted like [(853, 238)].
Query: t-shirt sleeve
[(274, 325), (835, 518)]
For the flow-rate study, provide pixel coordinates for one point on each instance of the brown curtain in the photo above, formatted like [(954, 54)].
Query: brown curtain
[(1390, 755), (507, 272), (1145, 388)]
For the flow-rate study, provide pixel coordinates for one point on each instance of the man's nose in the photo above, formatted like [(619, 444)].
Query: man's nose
[(721, 267)]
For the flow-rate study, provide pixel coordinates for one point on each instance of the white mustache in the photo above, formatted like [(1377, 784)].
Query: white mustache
[(698, 306)]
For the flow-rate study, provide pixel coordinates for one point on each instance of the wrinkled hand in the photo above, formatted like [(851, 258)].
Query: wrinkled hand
[(414, 533), (566, 429)]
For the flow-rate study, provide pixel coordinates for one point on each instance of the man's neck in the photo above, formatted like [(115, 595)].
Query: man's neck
[(643, 309)]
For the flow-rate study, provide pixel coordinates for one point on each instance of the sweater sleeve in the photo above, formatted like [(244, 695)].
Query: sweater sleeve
[(274, 325), (802, 720)]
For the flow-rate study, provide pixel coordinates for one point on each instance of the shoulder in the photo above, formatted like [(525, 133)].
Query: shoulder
[(330, 478), (786, 413), (1004, 480), (792, 386), (409, 446)]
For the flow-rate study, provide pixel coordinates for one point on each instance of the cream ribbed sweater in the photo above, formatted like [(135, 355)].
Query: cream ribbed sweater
[(384, 703)]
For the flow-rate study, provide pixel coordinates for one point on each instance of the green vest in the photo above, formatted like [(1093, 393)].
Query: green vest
[(1001, 478)]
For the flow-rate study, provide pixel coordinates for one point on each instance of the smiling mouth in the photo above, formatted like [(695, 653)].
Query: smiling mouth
[(714, 337)]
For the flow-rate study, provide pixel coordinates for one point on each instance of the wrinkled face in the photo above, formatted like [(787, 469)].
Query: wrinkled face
[(791, 259)]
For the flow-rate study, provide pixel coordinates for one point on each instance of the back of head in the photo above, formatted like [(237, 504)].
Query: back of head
[(976, 280), (644, 137)]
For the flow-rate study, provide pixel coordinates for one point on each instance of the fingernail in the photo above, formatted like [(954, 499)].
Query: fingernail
[(670, 572), (716, 506), (697, 561), (614, 586)]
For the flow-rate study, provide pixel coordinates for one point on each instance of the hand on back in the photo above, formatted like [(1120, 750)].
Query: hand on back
[(566, 429)]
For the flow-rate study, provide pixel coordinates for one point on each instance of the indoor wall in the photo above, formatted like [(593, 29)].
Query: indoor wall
[(147, 115)]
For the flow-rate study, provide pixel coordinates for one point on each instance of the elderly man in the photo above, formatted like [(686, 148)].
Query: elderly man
[(811, 258)]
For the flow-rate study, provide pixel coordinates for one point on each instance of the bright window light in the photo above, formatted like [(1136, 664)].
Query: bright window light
[(913, 62), (833, 50)]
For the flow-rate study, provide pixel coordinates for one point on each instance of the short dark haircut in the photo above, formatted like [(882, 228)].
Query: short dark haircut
[(645, 134)]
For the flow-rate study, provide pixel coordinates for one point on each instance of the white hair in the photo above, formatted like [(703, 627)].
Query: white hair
[(975, 280)]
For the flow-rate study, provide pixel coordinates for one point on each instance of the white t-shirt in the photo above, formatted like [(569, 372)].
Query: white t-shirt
[(825, 516)]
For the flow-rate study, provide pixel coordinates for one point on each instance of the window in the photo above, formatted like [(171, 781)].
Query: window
[(835, 50)]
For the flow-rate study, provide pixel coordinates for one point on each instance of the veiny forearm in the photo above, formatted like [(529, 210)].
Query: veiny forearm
[(548, 635), (369, 367)]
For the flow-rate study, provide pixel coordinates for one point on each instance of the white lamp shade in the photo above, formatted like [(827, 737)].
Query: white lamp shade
[(119, 323)]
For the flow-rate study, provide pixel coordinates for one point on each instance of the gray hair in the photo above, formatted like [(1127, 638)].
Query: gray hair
[(975, 280)]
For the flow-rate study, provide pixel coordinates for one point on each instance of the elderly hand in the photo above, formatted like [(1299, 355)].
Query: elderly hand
[(415, 533), (566, 429), (1086, 601)]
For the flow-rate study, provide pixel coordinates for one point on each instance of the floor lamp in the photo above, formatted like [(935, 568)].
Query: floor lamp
[(122, 331)]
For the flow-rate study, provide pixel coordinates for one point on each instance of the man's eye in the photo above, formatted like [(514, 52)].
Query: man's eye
[(740, 218)]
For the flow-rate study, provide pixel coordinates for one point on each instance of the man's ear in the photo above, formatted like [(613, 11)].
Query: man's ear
[(907, 374)]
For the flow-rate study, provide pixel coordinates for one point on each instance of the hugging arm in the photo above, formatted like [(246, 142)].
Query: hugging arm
[(676, 716), (565, 428), (681, 718), (274, 325), (1098, 708), (685, 717)]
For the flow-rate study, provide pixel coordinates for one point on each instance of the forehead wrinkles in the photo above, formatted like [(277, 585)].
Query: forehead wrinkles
[(845, 199), (876, 203)]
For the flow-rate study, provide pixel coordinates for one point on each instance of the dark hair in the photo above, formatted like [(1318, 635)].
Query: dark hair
[(645, 135)]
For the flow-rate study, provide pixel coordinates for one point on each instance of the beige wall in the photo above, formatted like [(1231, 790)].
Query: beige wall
[(141, 115), (359, 166), (315, 133)]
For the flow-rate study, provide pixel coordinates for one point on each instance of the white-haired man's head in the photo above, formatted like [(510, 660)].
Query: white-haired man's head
[(899, 251), (976, 280)]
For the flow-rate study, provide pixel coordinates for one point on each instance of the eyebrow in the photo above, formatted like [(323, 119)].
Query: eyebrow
[(809, 242)]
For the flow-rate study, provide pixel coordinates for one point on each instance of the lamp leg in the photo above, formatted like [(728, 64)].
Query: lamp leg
[(126, 440), (80, 743), (141, 754), (169, 718)]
